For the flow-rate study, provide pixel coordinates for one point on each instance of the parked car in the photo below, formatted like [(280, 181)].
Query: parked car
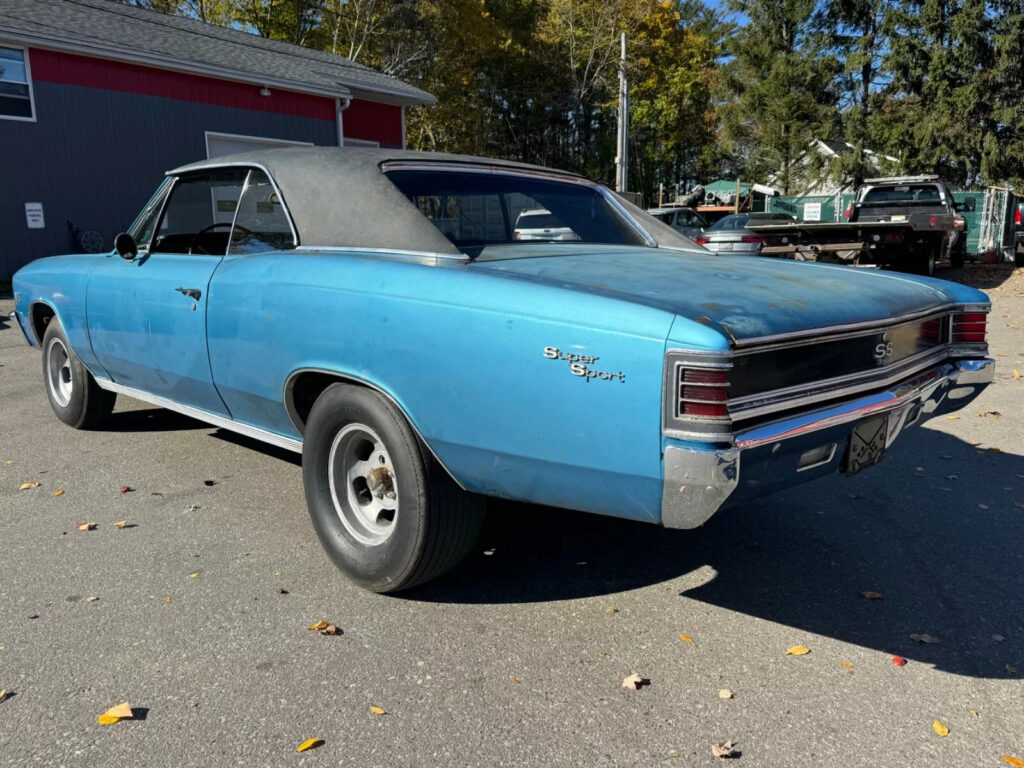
[(730, 234), (373, 310), (541, 224), (683, 220)]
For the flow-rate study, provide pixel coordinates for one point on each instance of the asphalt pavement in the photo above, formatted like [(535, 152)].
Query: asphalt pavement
[(517, 658)]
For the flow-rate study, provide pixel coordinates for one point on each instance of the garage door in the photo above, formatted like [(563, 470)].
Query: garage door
[(220, 144)]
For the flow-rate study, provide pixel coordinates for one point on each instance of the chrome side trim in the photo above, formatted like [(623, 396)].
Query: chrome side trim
[(289, 386), (835, 332), (428, 258), (213, 419), (613, 201)]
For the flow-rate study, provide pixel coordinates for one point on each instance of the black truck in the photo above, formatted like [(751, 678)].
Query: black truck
[(906, 223)]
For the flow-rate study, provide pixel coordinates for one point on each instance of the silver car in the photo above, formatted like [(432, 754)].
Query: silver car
[(686, 221), (730, 235)]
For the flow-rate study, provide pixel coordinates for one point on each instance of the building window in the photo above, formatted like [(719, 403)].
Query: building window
[(15, 85)]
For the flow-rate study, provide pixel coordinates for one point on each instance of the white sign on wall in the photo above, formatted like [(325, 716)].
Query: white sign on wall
[(34, 216), (812, 211)]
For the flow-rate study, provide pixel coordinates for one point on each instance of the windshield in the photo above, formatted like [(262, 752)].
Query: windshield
[(918, 193), (475, 210), (731, 222)]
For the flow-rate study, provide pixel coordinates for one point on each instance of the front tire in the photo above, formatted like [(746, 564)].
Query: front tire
[(386, 512), (74, 395)]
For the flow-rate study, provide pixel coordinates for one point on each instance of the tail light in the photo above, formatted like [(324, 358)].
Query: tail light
[(702, 239), (703, 392), (849, 211), (1016, 217), (968, 327), (931, 331), (751, 239)]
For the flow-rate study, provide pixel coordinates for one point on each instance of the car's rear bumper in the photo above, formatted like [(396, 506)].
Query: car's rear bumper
[(767, 458)]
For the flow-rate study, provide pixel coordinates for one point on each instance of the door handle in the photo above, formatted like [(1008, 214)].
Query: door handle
[(192, 293)]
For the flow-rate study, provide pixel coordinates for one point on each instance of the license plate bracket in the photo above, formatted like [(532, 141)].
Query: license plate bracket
[(866, 446)]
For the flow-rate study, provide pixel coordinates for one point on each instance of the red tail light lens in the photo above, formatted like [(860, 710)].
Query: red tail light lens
[(968, 327), (932, 330), (1016, 217), (848, 211), (701, 240), (703, 392), (751, 239)]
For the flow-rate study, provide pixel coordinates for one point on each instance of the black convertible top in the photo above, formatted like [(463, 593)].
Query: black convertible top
[(340, 197)]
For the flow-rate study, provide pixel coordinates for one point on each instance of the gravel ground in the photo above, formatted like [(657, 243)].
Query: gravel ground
[(516, 659)]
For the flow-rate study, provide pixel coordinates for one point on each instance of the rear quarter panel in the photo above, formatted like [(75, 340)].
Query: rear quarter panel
[(463, 355)]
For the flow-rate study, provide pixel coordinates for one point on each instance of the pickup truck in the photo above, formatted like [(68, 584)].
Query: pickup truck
[(905, 223)]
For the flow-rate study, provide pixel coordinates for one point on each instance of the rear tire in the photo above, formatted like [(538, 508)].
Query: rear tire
[(74, 395), (386, 512)]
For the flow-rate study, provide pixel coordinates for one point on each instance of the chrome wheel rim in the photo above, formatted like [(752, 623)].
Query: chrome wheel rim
[(58, 372), (364, 486)]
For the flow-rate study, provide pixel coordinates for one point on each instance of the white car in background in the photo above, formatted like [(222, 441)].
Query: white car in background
[(541, 224)]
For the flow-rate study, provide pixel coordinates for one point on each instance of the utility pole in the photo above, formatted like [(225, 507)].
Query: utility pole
[(622, 145)]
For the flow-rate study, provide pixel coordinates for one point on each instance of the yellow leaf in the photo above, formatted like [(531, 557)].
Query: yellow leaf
[(3, 694), (514, 679), (797, 650), (973, 712), (952, 416), (845, 665), (725, 693), (58, 493), (611, 610), (309, 744), (121, 524), (939, 728), (1016, 373), (91, 599), (8, 462), (121, 712), (318, 626), (167, 600), (871, 595), (28, 486), (378, 711), (686, 638), (193, 575), (85, 527), (1013, 761), (107, 719)]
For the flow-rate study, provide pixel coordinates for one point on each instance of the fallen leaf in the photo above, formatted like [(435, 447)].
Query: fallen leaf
[(28, 486), (723, 749), (686, 638), (952, 416), (983, 506), (121, 524), (725, 693), (994, 449), (58, 493), (845, 665), (8, 462), (940, 729), (167, 600), (91, 599), (514, 679), (85, 527), (3, 694), (309, 744), (998, 638), (155, 493), (1013, 761), (121, 712), (924, 637), (209, 483), (1012, 670), (797, 650), (282, 591), (330, 629), (973, 712), (378, 711), (899, 661), (318, 626), (611, 610), (193, 575), (634, 682), (1016, 373), (126, 489), (871, 595)]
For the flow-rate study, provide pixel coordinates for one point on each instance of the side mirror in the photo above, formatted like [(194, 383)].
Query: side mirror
[(125, 246), (968, 205)]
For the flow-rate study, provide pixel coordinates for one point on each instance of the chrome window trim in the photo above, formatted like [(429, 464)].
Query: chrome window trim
[(430, 258), (165, 189), (850, 330), (250, 165)]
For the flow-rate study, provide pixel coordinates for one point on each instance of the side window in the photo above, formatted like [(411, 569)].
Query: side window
[(197, 218), (144, 226), (262, 223), (15, 86)]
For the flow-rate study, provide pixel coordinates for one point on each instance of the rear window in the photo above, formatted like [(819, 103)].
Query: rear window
[(537, 221), (479, 209), (731, 222), (918, 193)]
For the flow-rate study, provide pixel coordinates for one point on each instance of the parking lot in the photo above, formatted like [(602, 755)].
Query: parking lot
[(517, 658)]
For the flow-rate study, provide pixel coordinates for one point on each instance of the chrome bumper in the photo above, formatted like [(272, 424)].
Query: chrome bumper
[(698, 481)]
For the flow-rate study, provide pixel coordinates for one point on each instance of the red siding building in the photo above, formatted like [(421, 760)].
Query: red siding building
[(98, 99)]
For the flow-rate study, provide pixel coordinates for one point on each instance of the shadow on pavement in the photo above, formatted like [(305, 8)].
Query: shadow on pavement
[(946, 566), (150, 420)]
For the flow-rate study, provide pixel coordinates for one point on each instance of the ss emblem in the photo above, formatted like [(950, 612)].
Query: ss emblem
[(883, 350)]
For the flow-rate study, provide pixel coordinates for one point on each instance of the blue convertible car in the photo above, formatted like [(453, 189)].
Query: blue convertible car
[(373, 310)]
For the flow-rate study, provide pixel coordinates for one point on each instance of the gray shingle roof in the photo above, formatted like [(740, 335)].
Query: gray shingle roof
[(108, 28)]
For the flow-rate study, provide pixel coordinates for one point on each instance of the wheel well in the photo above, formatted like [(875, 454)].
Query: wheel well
[(40, 315), (304, 388)]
